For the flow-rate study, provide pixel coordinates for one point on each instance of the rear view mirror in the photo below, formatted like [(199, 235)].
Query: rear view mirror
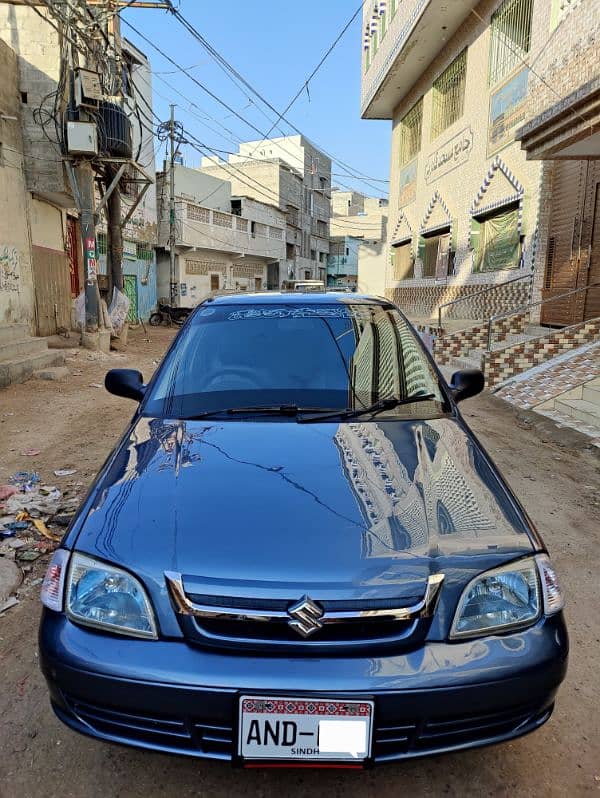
[(125, 382), (466, 383)]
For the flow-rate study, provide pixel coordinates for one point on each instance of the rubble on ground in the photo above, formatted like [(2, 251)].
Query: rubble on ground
[(34, 517)]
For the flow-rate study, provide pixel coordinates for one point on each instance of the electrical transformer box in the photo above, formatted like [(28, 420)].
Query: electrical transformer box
[(82, 138)]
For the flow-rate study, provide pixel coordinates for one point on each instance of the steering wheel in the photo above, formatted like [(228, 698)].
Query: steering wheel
[(234, 378)]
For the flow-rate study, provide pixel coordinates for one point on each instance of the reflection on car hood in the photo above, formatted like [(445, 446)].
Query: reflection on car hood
[(344, 506)]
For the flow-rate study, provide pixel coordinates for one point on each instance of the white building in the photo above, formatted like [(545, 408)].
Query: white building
[(296, 177), (223, 242)]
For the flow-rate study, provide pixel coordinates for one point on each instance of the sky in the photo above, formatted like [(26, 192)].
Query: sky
[(275, 46)]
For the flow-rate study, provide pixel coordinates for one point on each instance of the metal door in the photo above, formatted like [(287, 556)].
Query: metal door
[(592, 296), (131, 292), (52, 290), (73, 255), (562, 254)]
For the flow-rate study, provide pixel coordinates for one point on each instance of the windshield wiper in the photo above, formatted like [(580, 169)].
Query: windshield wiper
[(378, 407), (279, 410)]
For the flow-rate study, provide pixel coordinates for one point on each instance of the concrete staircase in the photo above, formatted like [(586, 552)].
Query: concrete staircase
[(474, 359), (21, 354), (578, 407)]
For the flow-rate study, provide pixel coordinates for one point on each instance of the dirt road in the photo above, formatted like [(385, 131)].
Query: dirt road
[(557, 478)]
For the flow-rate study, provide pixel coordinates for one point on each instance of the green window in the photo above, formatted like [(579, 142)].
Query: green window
[(510, 38), (101, 243), (410, 133), (495, 241), (448, 95), (144, 251)]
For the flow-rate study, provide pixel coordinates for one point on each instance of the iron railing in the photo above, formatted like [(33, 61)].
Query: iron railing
[(530, 305), (485, 290)]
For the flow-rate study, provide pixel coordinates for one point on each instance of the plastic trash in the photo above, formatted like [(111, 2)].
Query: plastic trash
[(118, 310)]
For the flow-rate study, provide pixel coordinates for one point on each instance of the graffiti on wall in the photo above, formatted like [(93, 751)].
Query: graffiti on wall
[(10, 272)]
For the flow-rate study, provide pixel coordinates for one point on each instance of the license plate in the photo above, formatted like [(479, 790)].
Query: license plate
[(304, 729)]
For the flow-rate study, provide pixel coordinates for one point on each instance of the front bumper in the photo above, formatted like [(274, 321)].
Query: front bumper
[(169, 696)]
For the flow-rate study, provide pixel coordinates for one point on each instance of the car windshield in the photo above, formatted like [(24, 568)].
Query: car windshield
[(343, 355)]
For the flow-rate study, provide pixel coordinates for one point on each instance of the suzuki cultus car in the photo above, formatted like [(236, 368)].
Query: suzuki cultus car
[(300, 554)]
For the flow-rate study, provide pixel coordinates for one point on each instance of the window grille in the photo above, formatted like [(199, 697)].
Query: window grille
[(449, 95), (144, 251), (101, 243), (410, 133), (510, 37), (203, 267), (222, 219), (198, 214)]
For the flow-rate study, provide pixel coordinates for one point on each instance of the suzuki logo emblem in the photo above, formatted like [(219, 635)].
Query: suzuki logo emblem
[(305, 616)]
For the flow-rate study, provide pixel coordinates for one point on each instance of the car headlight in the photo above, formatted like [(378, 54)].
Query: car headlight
[(507, 598), (106, 597)]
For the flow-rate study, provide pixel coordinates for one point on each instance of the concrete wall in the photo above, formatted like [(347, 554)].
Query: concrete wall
[(372, 265), (198, 187), (47, 225), (16, 278), (36, 43), (235, 274)]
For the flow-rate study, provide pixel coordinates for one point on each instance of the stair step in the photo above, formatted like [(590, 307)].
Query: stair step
[(591, 393), (21, 369), (13, 350), (465, 362), (13, 332), (579, 408)]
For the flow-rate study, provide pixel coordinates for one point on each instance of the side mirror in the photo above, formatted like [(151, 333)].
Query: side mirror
[(466, 383), (125, 382)]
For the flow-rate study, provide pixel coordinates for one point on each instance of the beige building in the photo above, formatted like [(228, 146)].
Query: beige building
[(290, 173), (223, 242), (466, 203), (358, 243)]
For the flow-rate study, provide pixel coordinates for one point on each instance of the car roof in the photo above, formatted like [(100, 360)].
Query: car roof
[(296, 298)]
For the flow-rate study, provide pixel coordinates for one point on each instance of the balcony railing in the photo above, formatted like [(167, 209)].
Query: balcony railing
[(208, 228)]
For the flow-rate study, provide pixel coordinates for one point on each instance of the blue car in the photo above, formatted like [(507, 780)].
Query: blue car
[(299, 554)]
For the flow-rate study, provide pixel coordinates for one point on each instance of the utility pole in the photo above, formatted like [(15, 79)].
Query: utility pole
[(84, 176), (172, 231)]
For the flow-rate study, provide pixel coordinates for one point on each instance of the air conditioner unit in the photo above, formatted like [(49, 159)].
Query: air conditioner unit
[(82, 138)]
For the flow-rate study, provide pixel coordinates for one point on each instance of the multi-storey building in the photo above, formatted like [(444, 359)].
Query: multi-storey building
[(223, 242), (295, 176), (357, 245), (466, 203)]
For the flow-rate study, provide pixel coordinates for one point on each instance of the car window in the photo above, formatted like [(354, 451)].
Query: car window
[(343, 355)]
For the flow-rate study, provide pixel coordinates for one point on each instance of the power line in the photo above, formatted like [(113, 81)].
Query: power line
[(304, 86), (353, 173)]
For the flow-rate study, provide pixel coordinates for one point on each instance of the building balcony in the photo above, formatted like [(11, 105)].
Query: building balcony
[(198, 227), (416, 31)]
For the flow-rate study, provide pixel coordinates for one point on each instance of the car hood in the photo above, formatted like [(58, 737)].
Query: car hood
[(351, 509)]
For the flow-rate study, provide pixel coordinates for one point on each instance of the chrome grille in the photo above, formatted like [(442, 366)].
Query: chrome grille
[(303, 622)]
